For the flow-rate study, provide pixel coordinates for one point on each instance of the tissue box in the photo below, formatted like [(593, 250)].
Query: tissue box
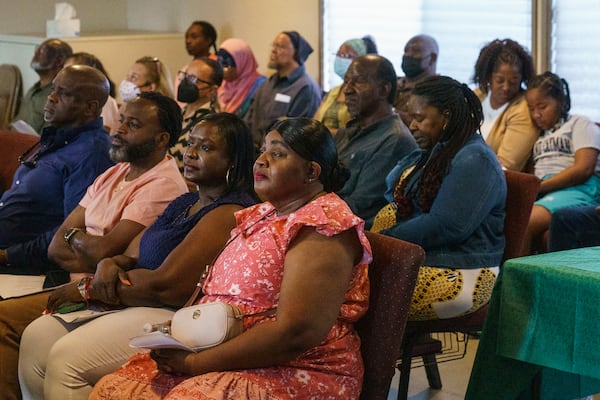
[(56, 28)]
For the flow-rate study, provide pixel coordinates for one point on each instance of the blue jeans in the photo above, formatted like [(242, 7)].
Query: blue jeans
[(574, 227)]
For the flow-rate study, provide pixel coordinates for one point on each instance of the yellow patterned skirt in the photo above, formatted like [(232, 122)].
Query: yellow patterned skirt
[(449, 292), (443, 292)]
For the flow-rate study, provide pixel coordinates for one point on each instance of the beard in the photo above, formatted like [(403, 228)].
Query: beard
[(130, 153)]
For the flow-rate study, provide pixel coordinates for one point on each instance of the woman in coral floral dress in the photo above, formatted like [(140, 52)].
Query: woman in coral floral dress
[(302, 253)]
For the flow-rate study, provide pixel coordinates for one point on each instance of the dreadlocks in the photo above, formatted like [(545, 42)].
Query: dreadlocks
[(464, 113)]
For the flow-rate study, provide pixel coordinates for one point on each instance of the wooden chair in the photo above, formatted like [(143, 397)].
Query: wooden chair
[(11, 91), (12, 145), (392, 276), (522, 190)]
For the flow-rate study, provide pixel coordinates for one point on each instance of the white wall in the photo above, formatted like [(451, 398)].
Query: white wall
[(29, 16), (256, 21)]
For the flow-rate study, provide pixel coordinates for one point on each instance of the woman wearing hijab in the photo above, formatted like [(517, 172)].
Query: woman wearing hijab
[(333, 112), (240, 77)]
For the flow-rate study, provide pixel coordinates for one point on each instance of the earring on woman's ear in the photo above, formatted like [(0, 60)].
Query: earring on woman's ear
[(227, 175)]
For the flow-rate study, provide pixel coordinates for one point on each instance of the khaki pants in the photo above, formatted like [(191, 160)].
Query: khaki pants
[(15, 315)]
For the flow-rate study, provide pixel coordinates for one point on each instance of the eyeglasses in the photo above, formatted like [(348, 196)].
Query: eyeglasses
[(30, 163), (193, 79), (280, 46), (348, 56)]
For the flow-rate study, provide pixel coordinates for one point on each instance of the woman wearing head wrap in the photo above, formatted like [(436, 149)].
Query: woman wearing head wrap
[(333, 112), (240, 77)]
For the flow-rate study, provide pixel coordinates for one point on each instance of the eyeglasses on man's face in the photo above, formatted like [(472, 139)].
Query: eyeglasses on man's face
[(193, 79)]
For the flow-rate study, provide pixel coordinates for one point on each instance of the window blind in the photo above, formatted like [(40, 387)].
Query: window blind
[(461, 28), (575, 52)]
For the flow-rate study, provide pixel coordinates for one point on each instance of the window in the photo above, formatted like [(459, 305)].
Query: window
[(575, 52), (463, 27)]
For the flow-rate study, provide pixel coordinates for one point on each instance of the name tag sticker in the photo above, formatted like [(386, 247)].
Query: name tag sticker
[(282, 98)]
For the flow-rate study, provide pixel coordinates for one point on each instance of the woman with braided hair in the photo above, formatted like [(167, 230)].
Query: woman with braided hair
[(448, 197), (565, 156)]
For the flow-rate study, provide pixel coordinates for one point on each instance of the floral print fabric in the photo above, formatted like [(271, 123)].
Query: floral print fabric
[(248, 273)]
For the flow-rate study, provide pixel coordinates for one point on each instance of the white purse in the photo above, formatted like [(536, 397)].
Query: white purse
[(197, 327), (194, 328)]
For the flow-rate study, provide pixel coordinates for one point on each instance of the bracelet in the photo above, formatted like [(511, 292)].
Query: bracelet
[(68, 236), (84, 287)]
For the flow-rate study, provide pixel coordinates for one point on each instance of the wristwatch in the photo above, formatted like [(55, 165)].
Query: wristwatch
[(69, 235), (84, 287)]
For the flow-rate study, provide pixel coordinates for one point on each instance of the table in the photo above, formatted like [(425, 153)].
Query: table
[(542, 326)]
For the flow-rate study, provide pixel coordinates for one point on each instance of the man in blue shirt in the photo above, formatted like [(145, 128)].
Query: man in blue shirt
[(55, 174)]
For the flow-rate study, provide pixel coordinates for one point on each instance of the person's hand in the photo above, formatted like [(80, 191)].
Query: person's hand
[(3, 258), (68, 293), (106, 279), (171, 361)]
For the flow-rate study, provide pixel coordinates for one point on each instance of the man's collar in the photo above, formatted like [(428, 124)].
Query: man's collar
[(353, 128), (292, 76), (68, 133)]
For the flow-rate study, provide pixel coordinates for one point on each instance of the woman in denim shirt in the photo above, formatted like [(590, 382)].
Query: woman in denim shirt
[(449, 197)]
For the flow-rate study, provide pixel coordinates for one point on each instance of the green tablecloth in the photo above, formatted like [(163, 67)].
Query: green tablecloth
[(543, 318)]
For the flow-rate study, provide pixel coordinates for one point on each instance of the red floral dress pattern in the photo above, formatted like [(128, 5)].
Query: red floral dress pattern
[(248, 274)]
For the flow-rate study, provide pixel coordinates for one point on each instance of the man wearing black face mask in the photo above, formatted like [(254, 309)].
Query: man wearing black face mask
[(198, 89), (48, 59), (418, 62)]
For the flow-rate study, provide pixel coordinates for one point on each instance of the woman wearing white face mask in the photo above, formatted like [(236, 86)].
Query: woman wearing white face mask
[(147, 74), (333, 112)]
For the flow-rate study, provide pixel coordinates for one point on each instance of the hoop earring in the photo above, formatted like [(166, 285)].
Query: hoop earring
[(227, 176)]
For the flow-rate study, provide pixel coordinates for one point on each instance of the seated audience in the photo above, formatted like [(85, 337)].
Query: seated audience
[(448, 197), (54, 174), (47, 61), (374, 138), (57, 360), (289, 92), (117, 206), (574, 227), (147, 74), (419, 62), (333, 112), (110, 111), (307, 347), (501, 73), (565, 156), (240, 76), (198, 90), (200, 37)]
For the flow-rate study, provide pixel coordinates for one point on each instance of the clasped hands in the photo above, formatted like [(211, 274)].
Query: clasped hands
[(103, 288)]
